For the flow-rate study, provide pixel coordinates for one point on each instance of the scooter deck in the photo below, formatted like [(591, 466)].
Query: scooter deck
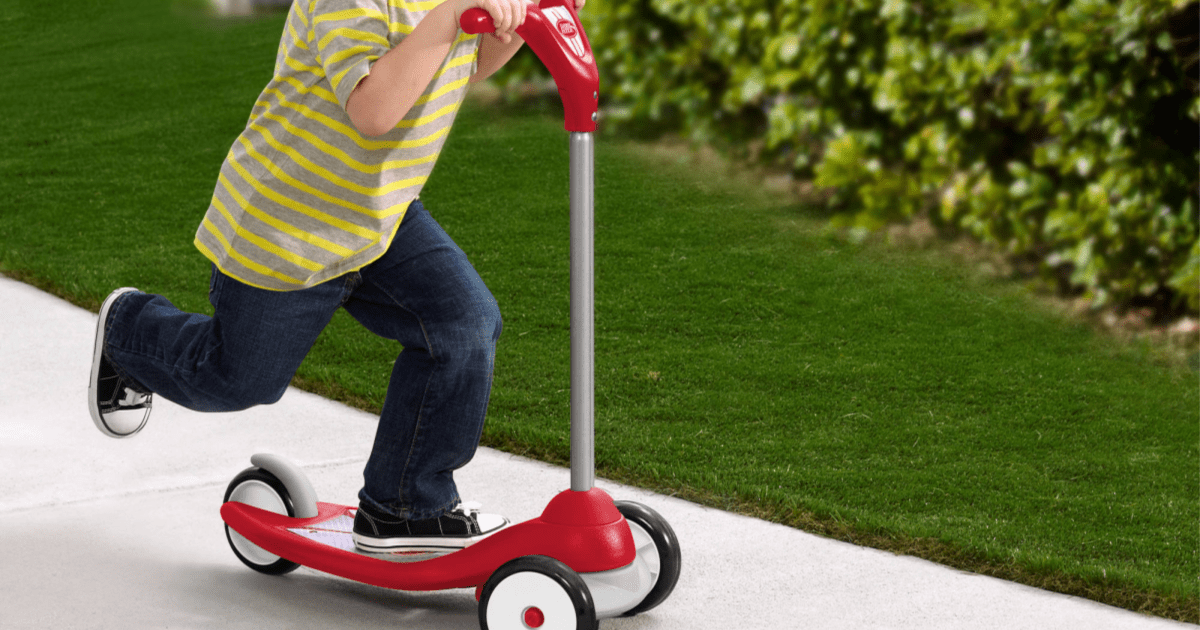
[(591, 540)]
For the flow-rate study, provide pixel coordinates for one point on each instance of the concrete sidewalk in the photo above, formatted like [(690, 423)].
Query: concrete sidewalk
[(103, 533)]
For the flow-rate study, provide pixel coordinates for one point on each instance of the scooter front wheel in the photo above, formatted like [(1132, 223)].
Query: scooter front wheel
[(261, 489), (536, 592), (657, 544)]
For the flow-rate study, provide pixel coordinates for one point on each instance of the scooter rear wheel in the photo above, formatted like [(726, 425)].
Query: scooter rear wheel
[(536, 592), (259, 488)]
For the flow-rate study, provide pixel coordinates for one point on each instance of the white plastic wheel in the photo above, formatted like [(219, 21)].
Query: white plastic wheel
[(262, 496), (530, 597), (647, 551), (261, 489), (536, 592), (657, 547)]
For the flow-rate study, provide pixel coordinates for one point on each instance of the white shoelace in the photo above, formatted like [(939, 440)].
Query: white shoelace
[(132, 398)]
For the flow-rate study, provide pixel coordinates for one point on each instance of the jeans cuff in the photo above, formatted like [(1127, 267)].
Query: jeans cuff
[(129, 381), (406, 512)]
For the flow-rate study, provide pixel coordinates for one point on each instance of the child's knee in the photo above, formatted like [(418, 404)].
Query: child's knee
[(492, 322), (485, 329), (471, 337)]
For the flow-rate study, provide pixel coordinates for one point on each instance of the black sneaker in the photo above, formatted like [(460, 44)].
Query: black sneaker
[(376, 532), (118, 409)]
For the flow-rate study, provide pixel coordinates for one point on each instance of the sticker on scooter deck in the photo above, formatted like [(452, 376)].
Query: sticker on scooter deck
[(338, 532)]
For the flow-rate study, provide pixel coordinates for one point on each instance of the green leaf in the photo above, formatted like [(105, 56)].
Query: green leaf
[(753, 86), (789, 48)]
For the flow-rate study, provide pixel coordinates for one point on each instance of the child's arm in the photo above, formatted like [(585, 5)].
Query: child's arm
[(400, 76), (493, 54)]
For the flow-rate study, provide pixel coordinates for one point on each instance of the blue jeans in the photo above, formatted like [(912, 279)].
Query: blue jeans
[(423, 293)]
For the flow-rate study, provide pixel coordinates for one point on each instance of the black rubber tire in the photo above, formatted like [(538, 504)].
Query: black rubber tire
[(669, 556), (567, 579), (254, 473)]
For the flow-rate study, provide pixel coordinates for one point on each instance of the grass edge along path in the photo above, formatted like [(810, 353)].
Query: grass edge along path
[(1110, 592)]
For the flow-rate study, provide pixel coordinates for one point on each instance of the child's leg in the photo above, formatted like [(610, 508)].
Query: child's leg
[(425, 294), (243, 356)]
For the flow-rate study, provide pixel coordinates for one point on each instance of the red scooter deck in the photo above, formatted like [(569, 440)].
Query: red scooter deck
[(582, 529)]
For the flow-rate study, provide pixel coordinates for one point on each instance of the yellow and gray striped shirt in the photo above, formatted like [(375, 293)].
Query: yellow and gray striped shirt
[(302, 197)]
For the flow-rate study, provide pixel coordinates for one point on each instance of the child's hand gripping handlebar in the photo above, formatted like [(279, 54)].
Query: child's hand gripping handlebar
[(554, 33)]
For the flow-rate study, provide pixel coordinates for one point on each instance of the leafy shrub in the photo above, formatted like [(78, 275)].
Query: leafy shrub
[(1061, 131)]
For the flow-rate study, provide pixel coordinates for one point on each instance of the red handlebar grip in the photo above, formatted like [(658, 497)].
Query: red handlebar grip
[(475, 21)]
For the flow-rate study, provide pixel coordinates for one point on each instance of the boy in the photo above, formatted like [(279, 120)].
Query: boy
[(316, 208)]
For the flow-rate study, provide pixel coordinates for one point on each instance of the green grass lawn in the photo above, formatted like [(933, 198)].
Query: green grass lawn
[(744, 358)]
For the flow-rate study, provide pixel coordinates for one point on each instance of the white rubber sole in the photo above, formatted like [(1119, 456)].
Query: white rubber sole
[(93, 381)]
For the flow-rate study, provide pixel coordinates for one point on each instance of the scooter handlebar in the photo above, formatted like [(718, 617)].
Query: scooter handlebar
[(476, 21), (552, 29)]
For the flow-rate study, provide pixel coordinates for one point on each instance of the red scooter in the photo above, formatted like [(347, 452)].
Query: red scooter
[(586, 557)]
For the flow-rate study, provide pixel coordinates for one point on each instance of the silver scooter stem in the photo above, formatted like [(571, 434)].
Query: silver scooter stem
[(583, 338)]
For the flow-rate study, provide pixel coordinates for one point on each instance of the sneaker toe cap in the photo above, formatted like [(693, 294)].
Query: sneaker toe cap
[(125, 423), (489, 523)]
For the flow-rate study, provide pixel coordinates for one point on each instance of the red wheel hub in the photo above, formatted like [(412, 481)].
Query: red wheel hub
[(534, 617)]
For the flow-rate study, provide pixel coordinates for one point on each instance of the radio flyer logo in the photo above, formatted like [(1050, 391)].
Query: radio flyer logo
[(567, 28)]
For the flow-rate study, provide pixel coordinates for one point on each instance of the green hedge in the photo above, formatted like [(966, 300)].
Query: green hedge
[(1063, 132)]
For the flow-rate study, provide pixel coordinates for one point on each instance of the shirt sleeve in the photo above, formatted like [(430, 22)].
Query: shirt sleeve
[(347, 37)]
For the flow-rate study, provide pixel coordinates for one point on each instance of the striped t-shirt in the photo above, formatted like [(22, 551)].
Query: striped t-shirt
[(302, 197)]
